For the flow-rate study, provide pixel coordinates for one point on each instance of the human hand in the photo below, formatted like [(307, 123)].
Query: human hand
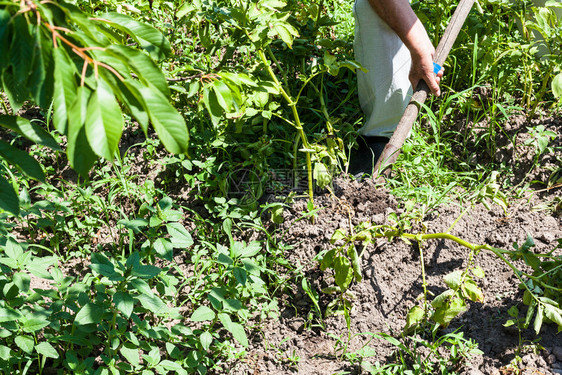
[(423, 53)]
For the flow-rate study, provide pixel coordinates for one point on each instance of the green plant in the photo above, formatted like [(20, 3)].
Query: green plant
[(540, 138), (345, 263), (440, 354), (81, 64)]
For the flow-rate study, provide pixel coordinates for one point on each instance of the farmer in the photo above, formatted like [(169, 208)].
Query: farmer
[(393, 46)]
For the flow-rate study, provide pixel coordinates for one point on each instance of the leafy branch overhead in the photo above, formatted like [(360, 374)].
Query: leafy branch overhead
[(91, 71)]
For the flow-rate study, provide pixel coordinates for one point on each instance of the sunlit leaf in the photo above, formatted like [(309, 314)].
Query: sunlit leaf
[(203, 313), (46, 349), (148, 37), (236, 329), (143, 66), (78, 150), (557, 86), (25, 343), (343, 272), (124, 303), (166, 120), (414, 316), (64, 90), (89, 314), (104, 121), (453, 280), (131, 354), (538, 319), (206, 340)]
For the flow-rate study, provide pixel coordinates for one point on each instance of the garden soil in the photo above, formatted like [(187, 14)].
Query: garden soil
[(392, 284), (295, 342)]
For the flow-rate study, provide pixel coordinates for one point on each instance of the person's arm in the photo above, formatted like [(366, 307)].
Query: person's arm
[(398, 14)]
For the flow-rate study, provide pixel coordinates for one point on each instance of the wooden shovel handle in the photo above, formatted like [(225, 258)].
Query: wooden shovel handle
[(392, 149)]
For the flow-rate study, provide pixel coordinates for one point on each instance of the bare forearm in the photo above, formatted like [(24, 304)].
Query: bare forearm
[(398, 14), (400, 17)]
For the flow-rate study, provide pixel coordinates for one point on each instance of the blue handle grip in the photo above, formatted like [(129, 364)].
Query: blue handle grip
[(436, 68)]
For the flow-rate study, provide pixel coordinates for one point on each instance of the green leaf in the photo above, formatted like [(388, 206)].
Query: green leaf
[(25, 343), (103, 269), (203, 313), (448, 311), (5, 32), (13, 249), (355, 262), (29, 130), (21, 159), (343, 272), (453, 280), (206, 339), (22, 281), (42, 52), (47, 350), (148, 37), (129, 94), (284, 33), (141, 286), (131, 354), (166, 120), (321, 175), (7, 314), (153, 304), (210, 101), (530, 312), (78, 151), (328, 259), (473, 292), (104, 121), (553, 313), (15, 90), (250, 250), (64, 88), (143, 66), (414, 316), (240, 275), (39, 266), (89, 314), (224, 95), (146, 271), (237, 330), (513, 311), (478, 272), (339, 234), (164, 248), (21, 53), (5, 352), (172, 366), (180, 237), (124, 303), (557, 86), (538, 319)]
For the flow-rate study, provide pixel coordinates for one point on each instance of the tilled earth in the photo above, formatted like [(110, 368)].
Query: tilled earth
[(392, 283)]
